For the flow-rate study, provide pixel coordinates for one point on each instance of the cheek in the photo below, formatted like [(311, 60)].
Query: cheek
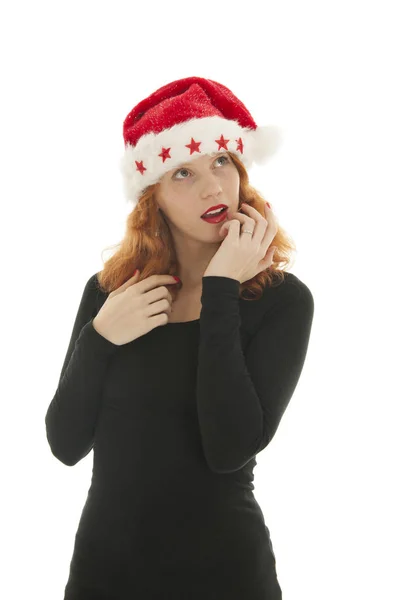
[(232, 180), (182, 203), (181, 211)]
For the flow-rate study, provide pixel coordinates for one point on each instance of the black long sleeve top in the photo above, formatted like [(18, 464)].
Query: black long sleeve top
[(175, 419)]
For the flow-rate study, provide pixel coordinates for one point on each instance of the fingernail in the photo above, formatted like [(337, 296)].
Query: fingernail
[(268, 204), (176, 278)]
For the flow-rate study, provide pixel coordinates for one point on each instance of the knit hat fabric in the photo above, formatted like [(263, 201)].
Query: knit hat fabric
[(183, 120)]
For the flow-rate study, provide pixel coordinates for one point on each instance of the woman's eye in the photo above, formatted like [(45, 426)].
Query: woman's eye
[(218, 158), (180, 171), (223, 156)]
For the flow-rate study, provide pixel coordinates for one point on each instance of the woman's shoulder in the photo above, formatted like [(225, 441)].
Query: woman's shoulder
[(281, 292), (95, 293), (292, 285)]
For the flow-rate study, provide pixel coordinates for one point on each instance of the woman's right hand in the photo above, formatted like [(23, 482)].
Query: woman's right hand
[(135, 308)]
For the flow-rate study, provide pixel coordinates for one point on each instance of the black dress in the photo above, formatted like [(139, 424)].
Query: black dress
[(175, 419)]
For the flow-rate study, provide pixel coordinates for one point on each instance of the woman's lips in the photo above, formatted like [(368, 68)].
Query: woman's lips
[(216, 218)]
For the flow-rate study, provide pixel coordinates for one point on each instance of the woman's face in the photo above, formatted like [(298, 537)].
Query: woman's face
[(188, 191)]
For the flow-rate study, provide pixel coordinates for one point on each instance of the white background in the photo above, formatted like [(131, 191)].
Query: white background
[(327, 74)]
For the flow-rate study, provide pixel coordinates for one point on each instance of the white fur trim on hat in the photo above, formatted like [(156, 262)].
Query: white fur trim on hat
[(142, 165)]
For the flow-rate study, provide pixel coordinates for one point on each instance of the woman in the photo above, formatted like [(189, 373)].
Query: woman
[(177, 387)]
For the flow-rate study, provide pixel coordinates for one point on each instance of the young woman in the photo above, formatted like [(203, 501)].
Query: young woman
[(178, 386)]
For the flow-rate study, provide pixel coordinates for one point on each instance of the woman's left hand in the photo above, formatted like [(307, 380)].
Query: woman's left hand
[(241, 256)]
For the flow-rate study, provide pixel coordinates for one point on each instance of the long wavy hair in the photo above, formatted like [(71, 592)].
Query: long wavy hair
[(155, 255)]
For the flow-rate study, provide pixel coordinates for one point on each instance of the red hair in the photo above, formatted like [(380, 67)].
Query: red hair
[(152, 255)]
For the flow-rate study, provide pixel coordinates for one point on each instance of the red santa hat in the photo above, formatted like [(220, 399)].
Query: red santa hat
[(183, 120)]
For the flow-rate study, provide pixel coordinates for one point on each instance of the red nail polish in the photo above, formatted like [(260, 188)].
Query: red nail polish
[(268, 204), (176, 278)]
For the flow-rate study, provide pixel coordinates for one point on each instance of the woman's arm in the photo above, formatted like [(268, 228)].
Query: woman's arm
[(71, 417), (241, 398)]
